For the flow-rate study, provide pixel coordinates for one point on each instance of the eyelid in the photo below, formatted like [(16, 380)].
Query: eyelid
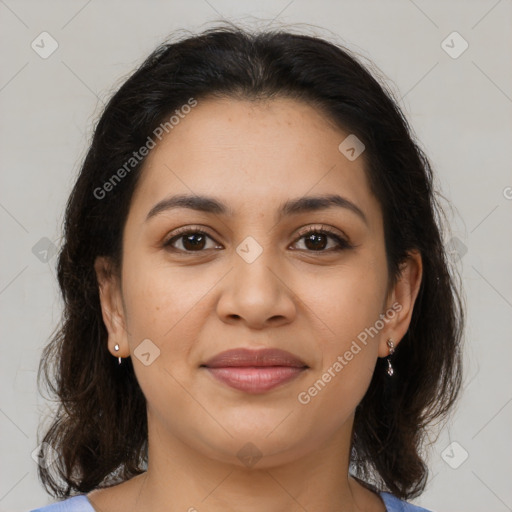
[(319, 228)]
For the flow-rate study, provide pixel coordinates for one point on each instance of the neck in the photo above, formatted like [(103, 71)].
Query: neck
[(181, 478)]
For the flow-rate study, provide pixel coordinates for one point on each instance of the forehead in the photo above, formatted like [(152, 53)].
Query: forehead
[(253, 155)]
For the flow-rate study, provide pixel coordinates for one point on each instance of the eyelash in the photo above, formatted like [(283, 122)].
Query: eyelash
[(343, 244)]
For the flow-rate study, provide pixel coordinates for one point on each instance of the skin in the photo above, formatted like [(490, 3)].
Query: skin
[(252, 156)]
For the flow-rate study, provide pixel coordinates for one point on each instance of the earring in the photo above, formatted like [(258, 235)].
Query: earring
[(116, 348), (391, 346)]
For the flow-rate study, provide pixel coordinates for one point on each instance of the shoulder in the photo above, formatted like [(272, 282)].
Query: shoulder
[(75, 504), (394, 504)]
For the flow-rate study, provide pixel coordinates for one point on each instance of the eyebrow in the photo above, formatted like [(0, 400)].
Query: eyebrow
[(291, 207)]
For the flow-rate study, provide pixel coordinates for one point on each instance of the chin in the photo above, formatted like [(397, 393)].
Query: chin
[(256, 449)]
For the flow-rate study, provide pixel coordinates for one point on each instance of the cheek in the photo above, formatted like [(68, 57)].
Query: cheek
[(347, 307), (158, 296), (347, 301), (168, 306)]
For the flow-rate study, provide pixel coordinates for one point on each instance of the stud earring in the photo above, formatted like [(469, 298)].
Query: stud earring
[(116, 348), (391, 346)]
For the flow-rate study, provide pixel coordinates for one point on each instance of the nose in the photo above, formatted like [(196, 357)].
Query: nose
[(258, 293)]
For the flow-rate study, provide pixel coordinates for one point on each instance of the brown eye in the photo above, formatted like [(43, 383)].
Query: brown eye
[(320, 240), (317, 239), (191, 240)]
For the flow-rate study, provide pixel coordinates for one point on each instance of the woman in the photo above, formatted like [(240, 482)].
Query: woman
[(259, 313)]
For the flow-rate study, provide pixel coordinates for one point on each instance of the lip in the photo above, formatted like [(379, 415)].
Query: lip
[(255, 371), (244, 357)]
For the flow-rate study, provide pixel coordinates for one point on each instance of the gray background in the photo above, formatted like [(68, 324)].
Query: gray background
[(460, 109)]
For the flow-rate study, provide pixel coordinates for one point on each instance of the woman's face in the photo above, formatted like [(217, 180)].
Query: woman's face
[(255, 280)]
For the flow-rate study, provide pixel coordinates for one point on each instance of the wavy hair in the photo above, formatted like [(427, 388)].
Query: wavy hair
[(101, 440)]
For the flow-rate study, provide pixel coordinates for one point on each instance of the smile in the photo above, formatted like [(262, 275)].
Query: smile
[(255, 371)]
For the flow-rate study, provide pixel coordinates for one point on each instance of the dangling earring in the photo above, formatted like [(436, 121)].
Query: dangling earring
[(116, 348), (391, 346)]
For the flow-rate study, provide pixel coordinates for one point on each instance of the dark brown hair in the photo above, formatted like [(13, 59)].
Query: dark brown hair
[(100, 428)]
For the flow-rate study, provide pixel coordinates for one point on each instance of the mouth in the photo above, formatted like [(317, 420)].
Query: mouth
[(255, 371)]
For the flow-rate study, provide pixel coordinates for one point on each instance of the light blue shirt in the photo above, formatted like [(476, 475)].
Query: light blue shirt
[(82, 504)]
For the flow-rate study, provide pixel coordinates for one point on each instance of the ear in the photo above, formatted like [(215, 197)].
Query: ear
[(112, 306), (400, 300)]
